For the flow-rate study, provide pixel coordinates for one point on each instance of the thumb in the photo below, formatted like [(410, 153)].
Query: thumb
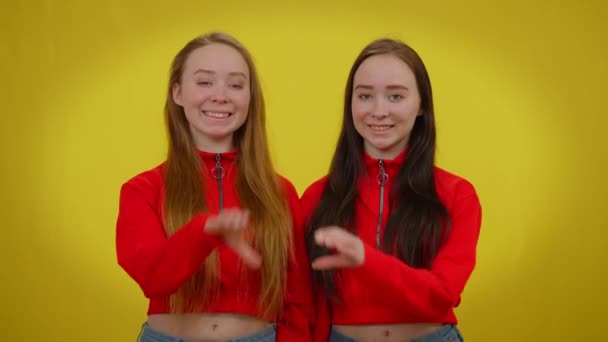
[(249, 255)]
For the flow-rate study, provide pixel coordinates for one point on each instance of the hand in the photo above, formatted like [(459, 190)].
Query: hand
[(230, 226), (349, 250)]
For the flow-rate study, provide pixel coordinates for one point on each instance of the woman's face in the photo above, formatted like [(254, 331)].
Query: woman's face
[(215, 94), (385, 104)]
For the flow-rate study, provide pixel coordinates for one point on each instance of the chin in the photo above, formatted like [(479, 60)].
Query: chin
[(381, 145), (220, 136)]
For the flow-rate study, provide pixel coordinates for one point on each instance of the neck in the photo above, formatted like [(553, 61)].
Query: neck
[(215, 145), (385, 155)]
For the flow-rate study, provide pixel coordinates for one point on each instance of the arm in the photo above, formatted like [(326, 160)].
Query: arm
[(296, 320), (434, 291), (160, 265), (321, 323), (426, 292)]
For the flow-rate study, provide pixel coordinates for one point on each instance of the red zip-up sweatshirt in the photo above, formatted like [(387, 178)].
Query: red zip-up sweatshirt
[(385, 289), (161, 265)]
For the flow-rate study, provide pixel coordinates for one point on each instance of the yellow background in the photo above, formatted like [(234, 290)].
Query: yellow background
[(520, 90)]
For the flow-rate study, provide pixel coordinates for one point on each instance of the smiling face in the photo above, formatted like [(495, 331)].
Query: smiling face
[(214, 92), (385, 103)]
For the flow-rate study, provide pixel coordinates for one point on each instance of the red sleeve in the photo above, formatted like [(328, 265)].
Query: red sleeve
[(433, 292), (322, 317), (296, 321), (160, 265), (322, 326), (311, 197)]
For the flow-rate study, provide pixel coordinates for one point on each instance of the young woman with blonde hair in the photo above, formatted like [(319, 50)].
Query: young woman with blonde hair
[(213, 236)]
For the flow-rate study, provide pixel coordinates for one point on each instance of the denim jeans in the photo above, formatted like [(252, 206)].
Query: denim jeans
[(149, 335)]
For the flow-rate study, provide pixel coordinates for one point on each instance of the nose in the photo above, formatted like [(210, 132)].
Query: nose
[(379, 110), (219, 95)]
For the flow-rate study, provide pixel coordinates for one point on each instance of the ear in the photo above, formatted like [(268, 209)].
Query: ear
[(176, 91)]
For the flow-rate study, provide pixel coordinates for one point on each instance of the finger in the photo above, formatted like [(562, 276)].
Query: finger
[(244, 218), (330, 231), (347, 246), (337, 232), (333, 238), (343, 243), (319, 238), (211, 225), (324, 241), (232, 220), (322, 236), (239, 220), (249, 255), (354, 251), (236, 221), (330, 262)]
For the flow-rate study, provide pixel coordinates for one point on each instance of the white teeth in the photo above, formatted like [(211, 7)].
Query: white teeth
[(217, 115), (379, 128)]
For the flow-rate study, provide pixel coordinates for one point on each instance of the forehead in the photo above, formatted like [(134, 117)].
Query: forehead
[(384, 69), (216, 57)]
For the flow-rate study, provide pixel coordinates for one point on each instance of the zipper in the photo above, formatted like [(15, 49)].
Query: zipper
[(218, 173), (382, 177)]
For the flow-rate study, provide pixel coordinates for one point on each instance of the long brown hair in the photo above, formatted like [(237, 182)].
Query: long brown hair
[(258, 188), (417, 220)]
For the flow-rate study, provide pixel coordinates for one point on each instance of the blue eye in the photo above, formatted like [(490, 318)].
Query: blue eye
[(395, 97)]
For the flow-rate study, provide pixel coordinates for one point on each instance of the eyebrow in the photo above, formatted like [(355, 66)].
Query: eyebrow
[(233, 73), (390, 86), (397, 86)]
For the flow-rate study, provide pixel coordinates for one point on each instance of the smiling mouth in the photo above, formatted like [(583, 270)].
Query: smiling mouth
[(379, 128), (217, 115)]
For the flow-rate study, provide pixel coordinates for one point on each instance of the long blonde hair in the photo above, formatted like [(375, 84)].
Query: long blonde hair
[(258, 187)]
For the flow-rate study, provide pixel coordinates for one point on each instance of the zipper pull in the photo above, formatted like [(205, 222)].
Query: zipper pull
[(382, 176), (218, 171)]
